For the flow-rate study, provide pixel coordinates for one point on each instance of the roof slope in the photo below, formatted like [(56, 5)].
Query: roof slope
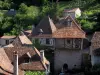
[(35, 64), (95, 43), (5, 64), (46, 25), (62, 30), (72, 31), (71, 10)]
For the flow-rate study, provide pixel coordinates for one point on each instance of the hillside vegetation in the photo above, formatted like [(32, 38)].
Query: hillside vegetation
[(29, 12)]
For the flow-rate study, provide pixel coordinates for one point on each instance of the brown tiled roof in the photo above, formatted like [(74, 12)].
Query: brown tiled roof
[(6, 68), (95, 43), (7, 57), (73, 31), (46, 25), (25, 40), (63, 31), (8, 37), (35, 64), (5, 64), (21, 40), (71, 10), (28, 32), (43, 36)]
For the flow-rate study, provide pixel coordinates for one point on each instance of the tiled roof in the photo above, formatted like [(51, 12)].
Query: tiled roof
[(28, 32), (25, 40), (35, 64), (21, 40), (7, 37), (5, 63), (63, 31), (71, 10), (95, 43), (46, 25)]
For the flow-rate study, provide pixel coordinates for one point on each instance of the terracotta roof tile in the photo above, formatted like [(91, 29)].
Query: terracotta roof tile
[(35, 64), (21, 52), (63, 31), (25, 40), (8, 37), (95, 43)]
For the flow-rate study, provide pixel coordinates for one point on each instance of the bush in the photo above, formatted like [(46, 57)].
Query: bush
[(34, 73)]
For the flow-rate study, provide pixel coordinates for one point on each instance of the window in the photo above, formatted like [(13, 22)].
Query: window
[(77, 46), (26, 60), (77, 43), (7, 42), (68, 41), (51, 41), (69, 22), (47, 41)]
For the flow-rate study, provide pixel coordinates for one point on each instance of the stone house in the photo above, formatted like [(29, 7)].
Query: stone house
[(75, 12), (22, 57), (5, 40), (95, 49), (66, 38)]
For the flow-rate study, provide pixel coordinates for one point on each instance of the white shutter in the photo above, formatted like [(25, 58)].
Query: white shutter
[(44, 41), (51, 41)]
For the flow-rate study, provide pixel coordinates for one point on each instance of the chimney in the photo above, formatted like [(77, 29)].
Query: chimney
[(42, 55), (15, 63)]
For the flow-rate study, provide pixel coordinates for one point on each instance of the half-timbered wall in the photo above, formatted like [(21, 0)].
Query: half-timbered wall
[(68, 43)]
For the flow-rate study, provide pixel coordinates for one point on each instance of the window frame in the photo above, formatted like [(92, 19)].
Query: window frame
[(26, 62), (7, 41)]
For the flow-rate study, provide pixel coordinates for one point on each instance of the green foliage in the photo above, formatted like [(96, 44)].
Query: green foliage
[(95, 70), (34, 73), (5, 4), (27, 14), (86, 24)]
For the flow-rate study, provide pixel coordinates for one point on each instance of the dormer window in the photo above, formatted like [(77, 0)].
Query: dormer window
[(27, 57), (69, 22), (7, 42), (26, 60)]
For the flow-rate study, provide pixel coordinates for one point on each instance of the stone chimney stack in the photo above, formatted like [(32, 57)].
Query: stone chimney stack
[(15, 63), (42, 55)]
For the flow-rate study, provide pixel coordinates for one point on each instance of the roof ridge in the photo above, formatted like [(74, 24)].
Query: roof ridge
[(52, 25), (39, 55), (46, 61), (75, 23), (8, 60)]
